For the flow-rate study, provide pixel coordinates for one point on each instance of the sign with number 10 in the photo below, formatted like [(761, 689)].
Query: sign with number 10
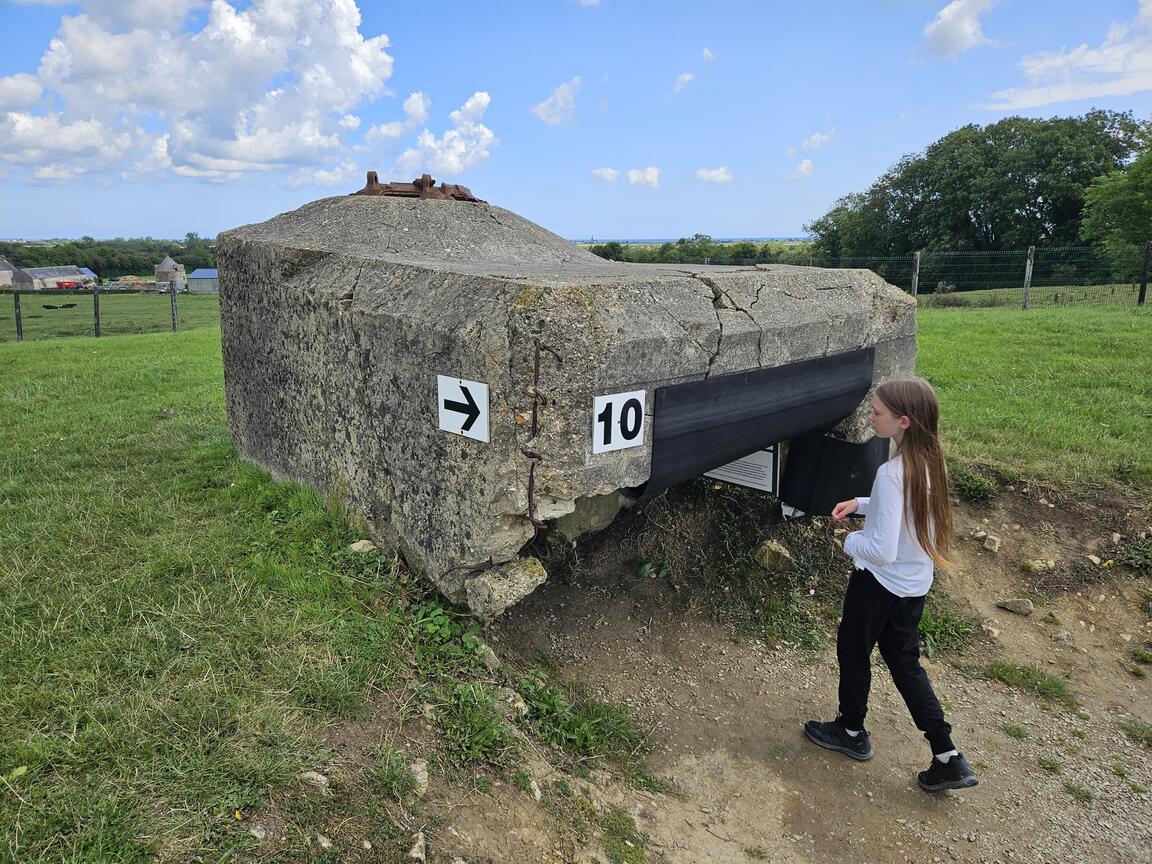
[(617, 421)]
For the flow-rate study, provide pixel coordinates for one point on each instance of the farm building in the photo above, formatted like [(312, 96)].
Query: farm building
[(48, 278), (204, 280), (168, 271), (7, 271)]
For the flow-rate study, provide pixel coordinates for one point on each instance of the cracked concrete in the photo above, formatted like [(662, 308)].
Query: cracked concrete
[(337, 318)]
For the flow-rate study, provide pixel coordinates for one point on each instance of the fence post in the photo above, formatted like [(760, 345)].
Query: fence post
[(172, 291), (1028, 275), (19, 323), (1144, 273), (915, 272), (96, 307)]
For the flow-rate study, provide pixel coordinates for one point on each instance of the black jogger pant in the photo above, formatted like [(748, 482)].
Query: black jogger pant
[(872, 616)]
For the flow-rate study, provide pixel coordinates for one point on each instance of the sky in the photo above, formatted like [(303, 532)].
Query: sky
[(598, 119)]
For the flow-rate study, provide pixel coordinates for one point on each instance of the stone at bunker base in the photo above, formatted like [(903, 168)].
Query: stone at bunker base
[(464, 378)]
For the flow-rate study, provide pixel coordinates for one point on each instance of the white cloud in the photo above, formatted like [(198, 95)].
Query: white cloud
[(560, 107), (649, 176), (464, 145), (266, 87), (338, 176), (415, 111), (708, 55), (19, 91), (802, 171), (714, 175), (156, 162), (1120, 66), (816, 140), (956, 28), (683, 81), (609, 174)]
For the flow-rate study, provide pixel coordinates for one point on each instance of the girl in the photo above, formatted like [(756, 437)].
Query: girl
[(907, 527)]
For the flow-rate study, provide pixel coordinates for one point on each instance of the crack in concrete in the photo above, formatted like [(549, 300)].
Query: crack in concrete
[(717, 293), (716, 307), (683, 327)]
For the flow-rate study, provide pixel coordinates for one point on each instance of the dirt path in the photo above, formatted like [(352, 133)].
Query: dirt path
[(745, 785)]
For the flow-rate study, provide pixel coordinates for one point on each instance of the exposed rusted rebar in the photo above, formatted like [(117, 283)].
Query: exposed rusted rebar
[(422, 187)]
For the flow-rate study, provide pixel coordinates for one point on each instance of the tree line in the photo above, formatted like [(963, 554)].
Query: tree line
[(702, 249), (1012, 184), (110, 259)]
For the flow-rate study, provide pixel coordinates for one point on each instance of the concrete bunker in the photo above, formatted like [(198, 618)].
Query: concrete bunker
[(463, 377)]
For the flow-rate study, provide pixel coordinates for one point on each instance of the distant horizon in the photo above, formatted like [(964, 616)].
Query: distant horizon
[(651, 241), (631, 241)]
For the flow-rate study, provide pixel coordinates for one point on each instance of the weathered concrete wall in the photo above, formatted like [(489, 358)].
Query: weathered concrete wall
[(338, 317)]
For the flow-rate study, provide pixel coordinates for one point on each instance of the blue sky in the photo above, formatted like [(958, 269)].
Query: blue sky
[(608, 119)]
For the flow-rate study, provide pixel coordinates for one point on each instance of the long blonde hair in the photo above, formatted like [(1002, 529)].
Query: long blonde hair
[(927, 508)]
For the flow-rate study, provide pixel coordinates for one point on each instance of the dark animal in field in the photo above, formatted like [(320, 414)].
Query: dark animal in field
[(49, 306), (68, 306)]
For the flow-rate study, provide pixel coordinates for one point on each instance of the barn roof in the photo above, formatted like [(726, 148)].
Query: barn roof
[(54, 272), (204, 273)]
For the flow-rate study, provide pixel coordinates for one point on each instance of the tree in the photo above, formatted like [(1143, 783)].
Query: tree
[(1118, 206), (1014, 183)]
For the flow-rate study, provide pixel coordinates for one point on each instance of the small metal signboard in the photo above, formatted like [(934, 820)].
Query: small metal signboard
[(759, 470), (463, 407)]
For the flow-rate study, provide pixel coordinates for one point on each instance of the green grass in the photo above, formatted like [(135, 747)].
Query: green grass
[(1051, 688), (1138, 731), (1039, 297), (623, 844), (584, 729), (119, 314), (944, 629), (1052, 766), (1050, 393), (1014, 731), (471, 724), (176, 630), (1084, 796), (969, 483)]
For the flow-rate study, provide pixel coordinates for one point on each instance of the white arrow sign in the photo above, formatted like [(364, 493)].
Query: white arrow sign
[(463, 407)]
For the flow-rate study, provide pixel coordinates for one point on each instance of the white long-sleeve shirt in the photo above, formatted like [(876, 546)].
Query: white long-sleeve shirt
[(887, 547)]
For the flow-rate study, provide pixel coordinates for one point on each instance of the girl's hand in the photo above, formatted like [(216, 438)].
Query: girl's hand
[(844, 509)]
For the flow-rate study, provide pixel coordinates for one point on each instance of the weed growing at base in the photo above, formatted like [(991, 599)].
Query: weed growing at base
[(944, 629), (969, 483), (1081, 794), (1138, 731), (585, 729), (1032, 680)]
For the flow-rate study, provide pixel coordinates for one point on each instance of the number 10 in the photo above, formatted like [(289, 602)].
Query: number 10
[(618, 421)]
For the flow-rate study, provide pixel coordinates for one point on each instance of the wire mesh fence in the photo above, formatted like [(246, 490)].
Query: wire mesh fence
[(1065, 276), (56, 313)]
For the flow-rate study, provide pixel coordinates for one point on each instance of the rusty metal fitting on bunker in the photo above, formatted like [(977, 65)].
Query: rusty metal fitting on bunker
[(422, 187)]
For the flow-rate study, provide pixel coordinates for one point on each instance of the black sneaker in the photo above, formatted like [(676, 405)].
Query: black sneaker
[(956, 773), (832, 736)]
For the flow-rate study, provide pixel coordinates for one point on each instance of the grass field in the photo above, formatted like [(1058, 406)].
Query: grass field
[(119, 314), (1123, 294), (1062, 395), (177, 631)]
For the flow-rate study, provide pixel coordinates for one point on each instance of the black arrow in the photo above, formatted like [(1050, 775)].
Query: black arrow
[(468, 408)]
